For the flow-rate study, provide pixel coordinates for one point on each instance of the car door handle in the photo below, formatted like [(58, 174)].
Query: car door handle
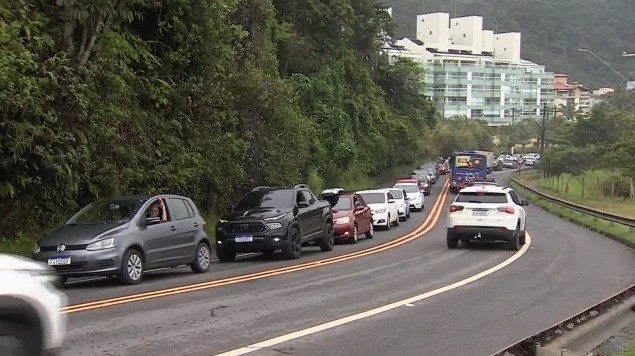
[(195, 224), (173, 228)]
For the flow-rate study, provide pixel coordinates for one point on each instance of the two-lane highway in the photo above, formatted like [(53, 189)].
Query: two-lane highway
[(568, 268)]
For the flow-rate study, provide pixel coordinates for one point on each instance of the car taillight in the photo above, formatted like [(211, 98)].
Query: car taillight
[(455, 208), (506, 209)]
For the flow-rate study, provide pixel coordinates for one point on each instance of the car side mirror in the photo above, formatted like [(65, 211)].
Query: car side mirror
[(390, 201), (524, 203), (230, 208), (303, 204), (360, 208), (151, 221), (406, 198)]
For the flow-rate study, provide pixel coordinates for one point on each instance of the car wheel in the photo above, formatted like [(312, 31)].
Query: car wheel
[(202, 262), (328, 240), (353, 239), (132, 267), (522, 236), (225, 255), (293, 249), (453, 241), (16, 340), (388, 223), (371, 231), (396, 223), (514, 243), (408, 214)]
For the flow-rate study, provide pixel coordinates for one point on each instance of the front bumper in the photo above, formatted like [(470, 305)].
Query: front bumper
[(380, 218), (481, 233), (85, 263), (344, 231), (274, 240)]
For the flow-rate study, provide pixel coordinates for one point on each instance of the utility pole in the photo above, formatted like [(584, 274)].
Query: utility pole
[(543, 129)]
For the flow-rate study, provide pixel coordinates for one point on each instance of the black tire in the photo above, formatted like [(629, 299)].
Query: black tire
[(522, 236), (225, 255), (17, 340), (371, 231), (388, 224), (202, 258), (514, 243), (453, 241), (396, 223), (132, 267), (353, 239), (293, 249), (408, 215), (327, 242)]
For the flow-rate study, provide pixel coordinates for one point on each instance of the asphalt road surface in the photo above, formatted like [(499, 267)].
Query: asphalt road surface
[(565, 269)]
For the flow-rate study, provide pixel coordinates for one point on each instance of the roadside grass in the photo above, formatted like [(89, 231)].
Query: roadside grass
[(597, 189), (630, 351), (618, 232), (23, 245)]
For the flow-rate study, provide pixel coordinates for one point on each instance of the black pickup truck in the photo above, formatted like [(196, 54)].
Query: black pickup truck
[(269, 219)]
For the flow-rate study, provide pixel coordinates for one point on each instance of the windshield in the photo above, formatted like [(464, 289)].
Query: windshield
[(409, 188), (339, 202), (485, 198), (397, 193), (265, 199), (374, 198), (106, 212), (467, 161)]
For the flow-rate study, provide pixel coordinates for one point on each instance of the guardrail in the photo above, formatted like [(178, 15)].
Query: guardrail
[(530, 346), (619, 219)]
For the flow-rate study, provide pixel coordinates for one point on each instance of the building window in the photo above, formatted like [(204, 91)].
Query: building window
[(423, 20), (430, 32), (464, 35), (505, 49)]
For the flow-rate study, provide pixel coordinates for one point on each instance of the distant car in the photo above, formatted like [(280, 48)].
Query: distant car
[(487, 213), (120, 237), (383, 205), (30, 321), (403, 207), (443, 169), (421, 179), (416, 197), (267, 219), (351, 215)]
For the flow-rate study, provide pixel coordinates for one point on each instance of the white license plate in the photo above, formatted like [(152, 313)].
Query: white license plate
[(59, 261), (480, 212), (244, 238)]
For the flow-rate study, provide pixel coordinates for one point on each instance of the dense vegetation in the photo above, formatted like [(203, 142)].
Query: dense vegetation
[(551, 31), (199, 97), (602, 143)]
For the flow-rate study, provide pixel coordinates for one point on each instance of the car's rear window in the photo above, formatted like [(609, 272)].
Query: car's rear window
[(482, 197)]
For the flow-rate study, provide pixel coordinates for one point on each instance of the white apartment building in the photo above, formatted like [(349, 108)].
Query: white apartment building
[(474, 72)]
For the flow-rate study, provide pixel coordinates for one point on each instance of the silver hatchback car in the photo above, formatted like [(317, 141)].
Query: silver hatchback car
[(126, 236)]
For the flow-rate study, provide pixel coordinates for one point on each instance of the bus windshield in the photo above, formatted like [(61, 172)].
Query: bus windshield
[(468, 162)]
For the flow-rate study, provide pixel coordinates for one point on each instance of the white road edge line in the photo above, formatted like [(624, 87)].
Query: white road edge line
[(363, 315)]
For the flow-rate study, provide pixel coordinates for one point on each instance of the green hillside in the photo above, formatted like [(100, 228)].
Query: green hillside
[(551, 30)]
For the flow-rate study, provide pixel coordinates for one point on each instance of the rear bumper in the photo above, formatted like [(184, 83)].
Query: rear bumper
[(481, 233)]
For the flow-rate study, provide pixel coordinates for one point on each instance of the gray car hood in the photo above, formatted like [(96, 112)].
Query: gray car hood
[(80, 234)]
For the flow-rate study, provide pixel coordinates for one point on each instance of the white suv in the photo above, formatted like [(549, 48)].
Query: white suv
[(383, 205), (487, 213), (30, 319)]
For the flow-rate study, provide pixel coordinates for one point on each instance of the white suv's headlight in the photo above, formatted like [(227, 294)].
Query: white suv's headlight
[(104, 244), (380, 211), (344, 220)]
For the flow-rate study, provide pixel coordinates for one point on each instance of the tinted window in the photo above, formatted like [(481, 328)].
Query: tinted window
[(478, 197), (514, 197), (397, 193), (374, 198), (266, 199), (179, 209), (308, 197), (409, 188)]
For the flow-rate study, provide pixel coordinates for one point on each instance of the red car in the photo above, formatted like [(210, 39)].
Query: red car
[(351, 216)]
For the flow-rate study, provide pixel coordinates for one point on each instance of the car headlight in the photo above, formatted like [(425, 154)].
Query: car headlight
[(36, 248), (274, 226), (344, 220), (104, 244), (380, 211)]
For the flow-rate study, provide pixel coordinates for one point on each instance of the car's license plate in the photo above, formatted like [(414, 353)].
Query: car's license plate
[(59, 261), (479, 212), (244, 238)]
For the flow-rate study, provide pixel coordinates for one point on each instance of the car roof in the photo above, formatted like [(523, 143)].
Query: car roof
[(485, 188), (382, 190), (142, 197)]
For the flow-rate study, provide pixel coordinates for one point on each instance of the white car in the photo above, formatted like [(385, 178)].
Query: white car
[(487, 213), (30, 303), (383, 205), (416, 198), (403, 207)]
